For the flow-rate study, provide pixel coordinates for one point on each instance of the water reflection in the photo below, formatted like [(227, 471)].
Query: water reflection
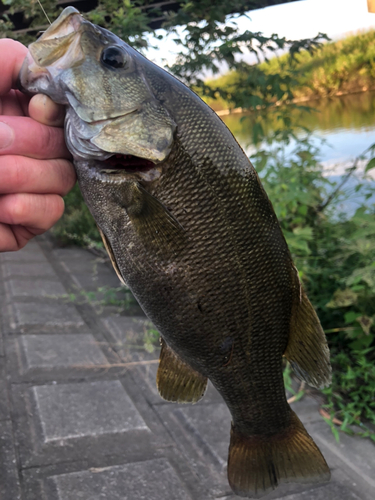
[(346, 123), (343, 128)]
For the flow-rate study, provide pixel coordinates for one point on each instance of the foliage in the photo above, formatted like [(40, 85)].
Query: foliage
[(151, 339), (209, 38), (334, 68), (351, 397), (77, 225), (119, 298)]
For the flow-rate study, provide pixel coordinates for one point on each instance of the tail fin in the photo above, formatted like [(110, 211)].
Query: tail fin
[(257, 464)]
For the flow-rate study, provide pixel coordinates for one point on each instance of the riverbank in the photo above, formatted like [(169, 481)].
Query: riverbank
[(297, 100), (337, 68)]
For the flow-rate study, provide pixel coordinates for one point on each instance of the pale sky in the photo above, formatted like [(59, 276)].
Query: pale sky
[(306, 18), (295, 20)]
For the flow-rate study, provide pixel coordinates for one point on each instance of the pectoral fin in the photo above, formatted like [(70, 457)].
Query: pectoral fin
[(176, 380), (307, 349), (152, 220)]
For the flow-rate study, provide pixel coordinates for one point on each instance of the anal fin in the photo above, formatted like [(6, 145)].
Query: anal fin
[(176, 380), (307, 349)]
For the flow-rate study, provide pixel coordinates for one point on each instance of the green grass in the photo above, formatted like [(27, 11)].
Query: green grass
[(336, 68)]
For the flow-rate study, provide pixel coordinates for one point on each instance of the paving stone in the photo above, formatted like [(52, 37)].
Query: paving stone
[(87, 271), (28, 269), (354, 456), (4, 400), (307, 409), (207, 457), (69, 411), (209, 425), (128, 334), (34, 288), (146, 377), (61, 351), (78, 260), (9, 482), (331, 491), (73, 433), (151, 480), (30, 253), (1, 329), (45, 315)]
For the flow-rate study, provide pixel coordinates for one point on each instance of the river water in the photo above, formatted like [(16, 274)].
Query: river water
[(343, 128)]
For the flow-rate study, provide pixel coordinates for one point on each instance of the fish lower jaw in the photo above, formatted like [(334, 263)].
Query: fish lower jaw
[(102, 171)]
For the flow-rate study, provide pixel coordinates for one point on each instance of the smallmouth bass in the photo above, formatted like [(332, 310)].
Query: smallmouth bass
[(191, 231)]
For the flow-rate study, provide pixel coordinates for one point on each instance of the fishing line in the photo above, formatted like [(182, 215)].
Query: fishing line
[(44, 12)]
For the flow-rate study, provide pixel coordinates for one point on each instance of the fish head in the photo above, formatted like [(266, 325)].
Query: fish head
[(114, 123)]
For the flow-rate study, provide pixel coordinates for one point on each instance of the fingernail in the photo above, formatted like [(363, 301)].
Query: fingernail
[(6, 135)]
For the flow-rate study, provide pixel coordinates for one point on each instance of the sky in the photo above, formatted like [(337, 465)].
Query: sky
[(306, 18), (295, 20)]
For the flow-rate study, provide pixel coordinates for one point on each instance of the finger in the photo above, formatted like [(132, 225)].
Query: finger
[(19, 174), (14, 238), (10, 104), (44, 110), (34, 211), (30, 138), (12, 55)]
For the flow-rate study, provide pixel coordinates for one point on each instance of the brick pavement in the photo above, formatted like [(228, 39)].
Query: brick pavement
[(80, 415)]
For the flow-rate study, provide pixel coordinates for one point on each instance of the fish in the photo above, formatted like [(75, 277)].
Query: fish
[(191, 231)]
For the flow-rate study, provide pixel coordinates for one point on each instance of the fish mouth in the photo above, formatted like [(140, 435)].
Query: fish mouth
[(127, 164), (51, 53), (124, 167)]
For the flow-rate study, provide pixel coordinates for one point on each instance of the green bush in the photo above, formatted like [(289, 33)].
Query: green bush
[(77, 226)]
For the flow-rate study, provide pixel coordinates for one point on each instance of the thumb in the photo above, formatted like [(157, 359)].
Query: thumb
[(44, 110)]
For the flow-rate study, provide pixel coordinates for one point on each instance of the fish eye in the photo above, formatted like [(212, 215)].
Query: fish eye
[(113, 57)]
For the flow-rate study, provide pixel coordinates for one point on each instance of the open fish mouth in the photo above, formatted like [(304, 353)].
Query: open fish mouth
[(121, 167), (127, 164)]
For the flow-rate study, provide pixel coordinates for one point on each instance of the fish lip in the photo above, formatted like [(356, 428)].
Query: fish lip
[(30, 73), (98, 170), (70, 19), (78, 108)]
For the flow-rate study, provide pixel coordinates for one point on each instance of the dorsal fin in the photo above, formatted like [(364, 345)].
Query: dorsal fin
[(176, 380), (307, 349)]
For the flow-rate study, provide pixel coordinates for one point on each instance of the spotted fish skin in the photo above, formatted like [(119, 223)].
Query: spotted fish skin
[(197, 241)]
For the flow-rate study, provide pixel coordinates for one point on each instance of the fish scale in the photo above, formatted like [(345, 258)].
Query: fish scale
[(197, 241)]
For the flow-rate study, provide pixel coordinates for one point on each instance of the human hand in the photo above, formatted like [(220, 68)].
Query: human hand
[(35, 171)]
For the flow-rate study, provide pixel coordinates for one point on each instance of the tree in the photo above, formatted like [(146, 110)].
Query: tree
[(211, 38)]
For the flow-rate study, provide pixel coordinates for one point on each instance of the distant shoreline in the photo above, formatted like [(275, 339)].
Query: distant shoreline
[(296, 100), (335, 69)]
